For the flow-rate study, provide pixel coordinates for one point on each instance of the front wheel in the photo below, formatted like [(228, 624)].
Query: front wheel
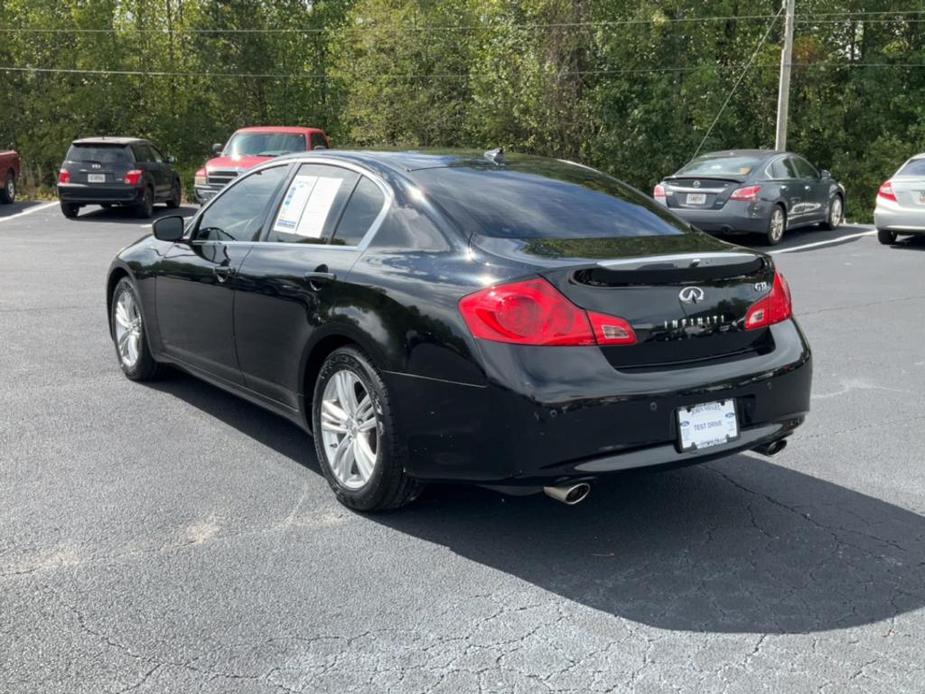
[(886, 237), (836, 214), (777, 224), (358, 448), (8, 192), (69, 209), (128, 333)]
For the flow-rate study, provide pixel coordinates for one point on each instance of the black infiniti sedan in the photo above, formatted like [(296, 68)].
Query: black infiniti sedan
[(517, 322), (753, 191)]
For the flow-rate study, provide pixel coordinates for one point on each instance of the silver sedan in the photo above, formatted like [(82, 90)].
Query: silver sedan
[(901, 202)]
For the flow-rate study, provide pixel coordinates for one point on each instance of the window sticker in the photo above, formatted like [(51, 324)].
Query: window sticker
[(291, 210), (318, 207)]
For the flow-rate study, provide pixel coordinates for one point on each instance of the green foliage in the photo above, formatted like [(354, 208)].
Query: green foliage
[(581, 79)]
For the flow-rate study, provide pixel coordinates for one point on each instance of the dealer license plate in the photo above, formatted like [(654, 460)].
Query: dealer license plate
[(706, 425), (696, 198), (96, 178)]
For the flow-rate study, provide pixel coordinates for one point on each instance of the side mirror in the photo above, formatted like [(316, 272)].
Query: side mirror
[(825, 173), (171, 159), (169, 228), (217, 148)]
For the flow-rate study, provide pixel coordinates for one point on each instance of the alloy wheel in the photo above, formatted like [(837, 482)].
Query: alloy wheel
[(11, 189), (127, 320), (777, 224), (349, 429), (835, 212)]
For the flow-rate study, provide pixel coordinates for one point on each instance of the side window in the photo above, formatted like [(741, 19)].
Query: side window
[(318, 141), (313, 203), (364, 206), (142, 152), (804, 168), (156, 154), (238, 214), (780, 169)]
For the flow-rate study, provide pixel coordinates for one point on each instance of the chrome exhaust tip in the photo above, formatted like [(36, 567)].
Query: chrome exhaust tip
[(569, 494), (772, 448)]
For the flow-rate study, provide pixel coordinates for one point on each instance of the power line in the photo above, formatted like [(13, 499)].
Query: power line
[(738, 81)]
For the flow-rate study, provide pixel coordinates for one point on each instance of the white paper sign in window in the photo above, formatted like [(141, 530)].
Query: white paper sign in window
[(307, 205)]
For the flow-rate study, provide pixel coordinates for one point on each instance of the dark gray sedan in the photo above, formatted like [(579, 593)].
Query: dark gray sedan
[(753, 191)]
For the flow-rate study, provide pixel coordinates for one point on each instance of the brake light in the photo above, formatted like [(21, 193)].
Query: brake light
[(200, 178), (659, 194), (746, 194), (533, 312), (774, 308), (64, 176), (886, 191), (133, 177)]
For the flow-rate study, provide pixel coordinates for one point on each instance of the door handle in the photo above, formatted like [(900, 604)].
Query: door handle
[(807, 187), (222, 272), (319, 276)]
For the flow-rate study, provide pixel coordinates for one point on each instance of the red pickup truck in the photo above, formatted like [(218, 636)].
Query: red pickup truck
[(248, 147), (9, 173)]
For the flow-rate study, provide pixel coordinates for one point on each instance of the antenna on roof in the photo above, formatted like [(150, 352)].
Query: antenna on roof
[(495, 156)]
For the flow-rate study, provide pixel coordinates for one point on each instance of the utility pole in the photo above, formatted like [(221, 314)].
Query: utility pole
[(783, 94)]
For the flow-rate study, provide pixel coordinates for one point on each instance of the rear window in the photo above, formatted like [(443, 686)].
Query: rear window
[(916, 167), (103, 154), (544, 199), (720, 166), (264, 144)]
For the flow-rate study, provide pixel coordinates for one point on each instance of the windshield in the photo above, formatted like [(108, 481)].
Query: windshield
[(709, 165), (263, 144), (103, 154), (916, 167), (534, 198)]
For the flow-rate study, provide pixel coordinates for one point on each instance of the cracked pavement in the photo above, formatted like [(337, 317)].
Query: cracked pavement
[(171, 538)]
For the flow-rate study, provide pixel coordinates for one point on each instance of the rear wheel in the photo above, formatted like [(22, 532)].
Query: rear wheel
[(69, 209), (8, 192), (128, 333), (836, 213), (356, 441), (145, 208), (777, 224), (176, 193), (886, 237)]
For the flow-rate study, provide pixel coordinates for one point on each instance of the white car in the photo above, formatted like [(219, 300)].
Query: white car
[(901, 202)]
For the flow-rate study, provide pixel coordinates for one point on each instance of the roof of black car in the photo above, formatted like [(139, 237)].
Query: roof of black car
[(106, 140)]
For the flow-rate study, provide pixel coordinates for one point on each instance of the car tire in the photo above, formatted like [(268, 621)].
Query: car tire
[(358, 445), (836, 213), (176, 196), (777, 225), (8, 192), (70, 209), (886, 237), (129, 336), (145, 209)]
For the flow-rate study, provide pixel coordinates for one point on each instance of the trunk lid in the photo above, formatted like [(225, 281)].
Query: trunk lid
[(700, 192), (101, 165), (909, 191), (686, 296)]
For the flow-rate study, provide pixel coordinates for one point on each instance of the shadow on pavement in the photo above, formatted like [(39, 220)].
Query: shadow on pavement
[(18, 207), (739, 545), (910, 243), (125, 215)]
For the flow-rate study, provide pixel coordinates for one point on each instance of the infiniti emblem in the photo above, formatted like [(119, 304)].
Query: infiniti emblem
[(691, 295)]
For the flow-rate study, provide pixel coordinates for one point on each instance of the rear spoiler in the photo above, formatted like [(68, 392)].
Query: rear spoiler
[(679, 261)]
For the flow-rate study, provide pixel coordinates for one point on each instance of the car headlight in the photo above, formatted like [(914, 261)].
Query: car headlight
[(200, 178)]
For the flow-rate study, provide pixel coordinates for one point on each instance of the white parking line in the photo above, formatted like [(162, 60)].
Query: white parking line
[(825, 243), (29, 210)]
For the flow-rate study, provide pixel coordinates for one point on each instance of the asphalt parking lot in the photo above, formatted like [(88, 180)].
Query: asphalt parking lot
[(171, 538)]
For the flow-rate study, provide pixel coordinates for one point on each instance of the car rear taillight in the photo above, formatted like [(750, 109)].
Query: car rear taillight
[(200, 178), (64, 176), (659, 194), (133, 177), (773, 308), (533, 312), (886, 191), (746, 194)]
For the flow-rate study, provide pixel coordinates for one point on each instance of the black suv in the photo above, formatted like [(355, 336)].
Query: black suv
[(111, 171)]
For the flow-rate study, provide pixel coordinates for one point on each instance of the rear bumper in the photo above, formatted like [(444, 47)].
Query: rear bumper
[(551, 414), (734, 217), (895, 218), (85, 194)]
